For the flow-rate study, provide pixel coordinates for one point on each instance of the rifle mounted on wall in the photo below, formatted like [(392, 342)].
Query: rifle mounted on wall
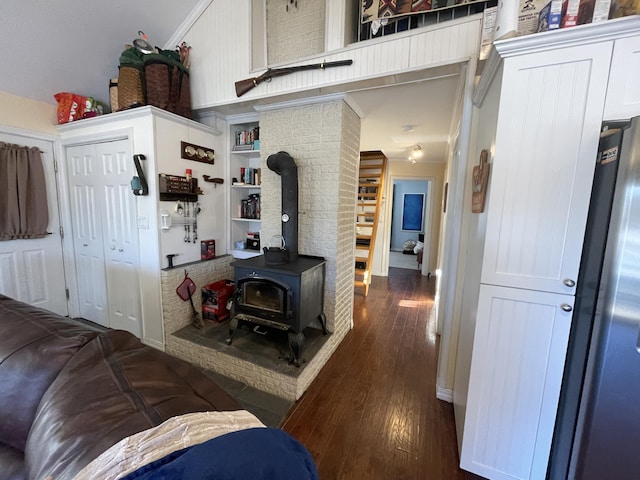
[(243, 86)]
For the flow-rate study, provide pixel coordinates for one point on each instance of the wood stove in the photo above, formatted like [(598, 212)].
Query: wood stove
[(281, 289), (286, 297)]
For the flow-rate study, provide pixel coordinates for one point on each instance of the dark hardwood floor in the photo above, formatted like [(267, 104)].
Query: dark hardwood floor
[(372, 412)]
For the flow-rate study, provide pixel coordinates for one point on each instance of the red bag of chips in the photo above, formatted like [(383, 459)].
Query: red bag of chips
[(70, 106)]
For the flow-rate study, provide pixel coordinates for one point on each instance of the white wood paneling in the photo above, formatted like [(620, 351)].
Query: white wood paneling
[(550, 115), (223, 55), (623, 94), (516, 372)]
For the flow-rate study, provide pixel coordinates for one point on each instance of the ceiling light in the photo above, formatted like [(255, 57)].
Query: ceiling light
[(408, 128), (416, 152)]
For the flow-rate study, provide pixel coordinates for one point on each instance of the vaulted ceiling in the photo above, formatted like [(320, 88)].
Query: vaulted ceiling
[(74, 46)]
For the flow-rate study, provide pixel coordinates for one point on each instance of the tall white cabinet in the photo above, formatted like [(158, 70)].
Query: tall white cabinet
[(113, 239), (553, 91)]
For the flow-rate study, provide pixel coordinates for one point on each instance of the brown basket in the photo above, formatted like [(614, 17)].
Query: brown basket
[(130, 87), (113, 94), (158, 83), (183, 107)]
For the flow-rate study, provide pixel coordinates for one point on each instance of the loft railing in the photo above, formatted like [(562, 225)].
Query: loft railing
[(369, 29)]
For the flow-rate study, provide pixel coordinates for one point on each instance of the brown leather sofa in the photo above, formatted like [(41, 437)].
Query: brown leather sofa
[(69, 391)]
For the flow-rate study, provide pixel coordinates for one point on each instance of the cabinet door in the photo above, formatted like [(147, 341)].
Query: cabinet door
[(120, 235), (84, 185), (516, 372), (623, 95), (105, 234), (545, 149)]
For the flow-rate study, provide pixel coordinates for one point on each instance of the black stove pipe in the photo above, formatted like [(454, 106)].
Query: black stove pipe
[(283, 164)]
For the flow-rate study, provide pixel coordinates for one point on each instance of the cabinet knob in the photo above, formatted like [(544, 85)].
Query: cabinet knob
[(566, 307), (569, 283), (121, 249), (112, 247), (85, 244)]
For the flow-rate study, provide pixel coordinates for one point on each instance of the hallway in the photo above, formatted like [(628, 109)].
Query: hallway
[(372, 412)]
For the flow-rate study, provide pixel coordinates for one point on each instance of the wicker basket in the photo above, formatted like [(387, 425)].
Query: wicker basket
[(158, 83), (130, 87), (183, 107), (113, 94), (167, 83)]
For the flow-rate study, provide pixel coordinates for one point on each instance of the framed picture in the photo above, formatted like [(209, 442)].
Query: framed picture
[(412, 212)]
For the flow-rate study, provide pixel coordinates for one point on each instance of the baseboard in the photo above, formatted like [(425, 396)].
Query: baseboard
[(153, 343), (444, 394)]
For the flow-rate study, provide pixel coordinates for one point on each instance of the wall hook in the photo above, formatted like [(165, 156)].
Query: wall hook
[(139, 184), (217, 181)]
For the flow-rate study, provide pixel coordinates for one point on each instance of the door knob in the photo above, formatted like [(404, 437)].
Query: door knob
[(566, 307), (569, 283)]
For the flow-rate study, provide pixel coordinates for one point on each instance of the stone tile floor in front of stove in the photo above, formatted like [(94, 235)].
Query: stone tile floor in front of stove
[(269, 349)]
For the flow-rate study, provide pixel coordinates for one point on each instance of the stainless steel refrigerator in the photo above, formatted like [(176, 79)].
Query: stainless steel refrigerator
[(597, 432)]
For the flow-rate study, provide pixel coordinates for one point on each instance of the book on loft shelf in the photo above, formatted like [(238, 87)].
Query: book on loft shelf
[(243, 148)]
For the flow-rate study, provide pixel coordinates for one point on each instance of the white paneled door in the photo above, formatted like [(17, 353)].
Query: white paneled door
[(32, 271), (105, 235)]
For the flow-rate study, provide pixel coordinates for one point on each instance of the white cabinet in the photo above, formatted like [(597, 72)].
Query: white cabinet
[(518, 353), (545, 147), (126, 246), (245, 178), (552, 97), (623, 95)]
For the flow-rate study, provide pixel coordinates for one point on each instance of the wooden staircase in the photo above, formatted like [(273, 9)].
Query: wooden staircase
[(370, 192)]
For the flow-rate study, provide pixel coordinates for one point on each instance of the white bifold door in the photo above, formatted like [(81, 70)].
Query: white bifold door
[(105, 234)]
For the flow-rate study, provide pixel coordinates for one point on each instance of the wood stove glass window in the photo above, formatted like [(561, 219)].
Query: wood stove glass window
[(264, 295)]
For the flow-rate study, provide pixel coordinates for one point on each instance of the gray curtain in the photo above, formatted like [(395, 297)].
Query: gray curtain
[(23, 195)]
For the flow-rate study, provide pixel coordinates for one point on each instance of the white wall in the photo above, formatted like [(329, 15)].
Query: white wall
[(470, 267)]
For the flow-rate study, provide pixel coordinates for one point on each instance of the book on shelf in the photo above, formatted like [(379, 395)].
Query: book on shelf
[(243, 148), (250, 176), (250, 207), (245, 139)]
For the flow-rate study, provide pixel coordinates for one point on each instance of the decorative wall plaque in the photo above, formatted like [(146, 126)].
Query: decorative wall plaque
[(480, 182)]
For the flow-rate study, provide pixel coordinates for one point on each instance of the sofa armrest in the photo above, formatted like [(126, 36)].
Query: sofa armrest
[(113, 388), (35, 346)]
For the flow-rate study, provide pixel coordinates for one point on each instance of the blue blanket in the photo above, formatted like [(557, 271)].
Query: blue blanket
[(255, 453)]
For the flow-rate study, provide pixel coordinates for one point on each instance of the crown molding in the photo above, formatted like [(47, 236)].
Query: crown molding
[(552, 40)]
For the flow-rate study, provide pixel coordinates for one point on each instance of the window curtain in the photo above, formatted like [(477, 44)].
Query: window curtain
[(23, 196)]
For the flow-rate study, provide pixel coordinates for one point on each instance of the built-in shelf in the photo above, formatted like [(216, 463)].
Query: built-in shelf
[(237, 253), (245, 152), (244, 165)]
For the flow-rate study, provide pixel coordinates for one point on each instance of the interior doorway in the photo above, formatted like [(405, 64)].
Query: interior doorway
[(409, 222)]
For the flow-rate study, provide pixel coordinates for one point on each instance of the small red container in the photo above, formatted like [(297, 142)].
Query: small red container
[(214, 300)]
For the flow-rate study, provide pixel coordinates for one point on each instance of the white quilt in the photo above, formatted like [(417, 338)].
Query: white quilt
[(177, 433)]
